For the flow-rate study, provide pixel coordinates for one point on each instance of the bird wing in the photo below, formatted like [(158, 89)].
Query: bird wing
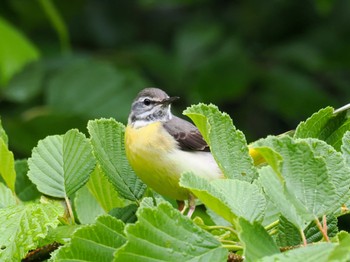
[(186, 134)]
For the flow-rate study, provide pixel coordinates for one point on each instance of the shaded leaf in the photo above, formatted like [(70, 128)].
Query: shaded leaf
[(70, 84), (60, 165), (162, 233), (229, 148), (126, 214), (25, 189), (288, 234), (107, 138)]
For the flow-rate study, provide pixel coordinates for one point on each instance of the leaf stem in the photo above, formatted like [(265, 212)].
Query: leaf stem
[(70, 210), (233, 247), (220, 227), (272, 225), (303, 237), (323, 229)]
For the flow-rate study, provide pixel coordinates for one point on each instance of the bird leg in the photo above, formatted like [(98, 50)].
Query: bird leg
[(191, 204)]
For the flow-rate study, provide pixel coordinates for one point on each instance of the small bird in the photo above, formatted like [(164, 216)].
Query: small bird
[(161, 146)]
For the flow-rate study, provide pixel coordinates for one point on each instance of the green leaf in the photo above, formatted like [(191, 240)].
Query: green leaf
[(313, 234), (6, 196), (25, 189), (23, 226), (126, 214), (326, 126), (61, 164), (288, 234), (341, 252), (317, 252), (107, 138), (7, 165), (345, 148), (275, 188), (26, 84), (3, 134), (228, 145), (163, 234), (86, 206), (70, 84), (103, 191), (15, 52), (229, 198), (314, 178), (256, 241), (96, 242)]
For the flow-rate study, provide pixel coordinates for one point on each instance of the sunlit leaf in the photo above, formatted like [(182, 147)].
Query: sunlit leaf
[(318, 252), (7, 165), (6, 196), (60, 165), (229, 198), (325, 125), (346, 147), (162, 233), (107, 138), (15, 52), (103, 191), (86, 206), (96, 242), (229, 148), (22, 227)]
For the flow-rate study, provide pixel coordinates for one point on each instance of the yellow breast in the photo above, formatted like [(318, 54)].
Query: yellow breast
[(150, 151)]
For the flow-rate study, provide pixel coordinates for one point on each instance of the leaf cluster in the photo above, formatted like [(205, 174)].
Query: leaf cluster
[(280, 199)]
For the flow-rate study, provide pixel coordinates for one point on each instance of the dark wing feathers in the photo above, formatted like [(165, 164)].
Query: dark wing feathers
[(186, 134)]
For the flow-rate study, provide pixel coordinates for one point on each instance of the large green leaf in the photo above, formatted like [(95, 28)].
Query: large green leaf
[(86, 206), (313, 179), (22, 227), (15, 52), (229, 198), (7, 165), (106, 95), (325, 125), (228, 145), (163, 234), (96, 242), (107, 138), (6, 196), (61, 164), (256, 241), (103, 191)]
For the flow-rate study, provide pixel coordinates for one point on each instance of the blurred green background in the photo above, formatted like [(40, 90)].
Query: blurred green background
[(269, 64)]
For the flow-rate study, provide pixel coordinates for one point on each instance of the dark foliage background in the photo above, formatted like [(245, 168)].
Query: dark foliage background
[(269, 64)]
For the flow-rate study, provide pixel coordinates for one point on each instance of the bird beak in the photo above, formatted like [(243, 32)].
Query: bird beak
[(169, 100)]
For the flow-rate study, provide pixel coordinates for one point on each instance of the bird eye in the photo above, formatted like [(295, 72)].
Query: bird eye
[(146, 102)]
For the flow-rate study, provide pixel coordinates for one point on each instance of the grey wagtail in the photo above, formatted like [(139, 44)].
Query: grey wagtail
[(160, 147)]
